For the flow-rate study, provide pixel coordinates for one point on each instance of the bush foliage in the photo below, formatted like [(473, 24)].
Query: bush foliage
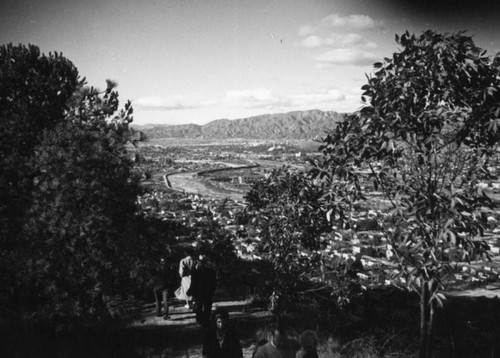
[(424, 141), (68, 190)]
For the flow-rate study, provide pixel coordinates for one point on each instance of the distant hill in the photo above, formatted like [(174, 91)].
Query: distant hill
[(291, 125)]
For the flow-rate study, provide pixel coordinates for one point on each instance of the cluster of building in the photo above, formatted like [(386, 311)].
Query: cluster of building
[(197, 211), (192, 210)]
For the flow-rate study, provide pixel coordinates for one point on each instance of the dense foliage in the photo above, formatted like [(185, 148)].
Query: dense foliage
[(423, 140), (33, 95), (217, 245), (67, 189), (285, 209)]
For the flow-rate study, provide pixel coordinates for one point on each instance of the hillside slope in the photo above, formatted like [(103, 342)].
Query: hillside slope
[(291, 125)]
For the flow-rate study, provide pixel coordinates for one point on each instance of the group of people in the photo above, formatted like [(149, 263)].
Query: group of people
[(198, 284), (221, 341), (278, 345), (197, 288)]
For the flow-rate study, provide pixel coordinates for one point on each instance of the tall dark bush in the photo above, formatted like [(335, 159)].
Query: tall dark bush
[(68, 191)]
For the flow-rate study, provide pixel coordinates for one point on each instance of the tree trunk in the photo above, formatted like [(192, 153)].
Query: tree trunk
[(423, 320), (430, 326), (426, 322)]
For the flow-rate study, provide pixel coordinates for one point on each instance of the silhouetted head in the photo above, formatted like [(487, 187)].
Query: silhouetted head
[(309, 340), (221, 318), (279, 338)]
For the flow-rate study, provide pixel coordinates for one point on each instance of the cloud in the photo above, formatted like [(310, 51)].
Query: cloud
[(346, 56), (370, 45), (357, 22), (341, 38), (306, 30), (265, 99), (172, 103), (315, 99), (351, 38), (331, 40), (254, 98), (313, 41)]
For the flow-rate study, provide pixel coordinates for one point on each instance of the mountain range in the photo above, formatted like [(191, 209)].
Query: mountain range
[(292, 125)]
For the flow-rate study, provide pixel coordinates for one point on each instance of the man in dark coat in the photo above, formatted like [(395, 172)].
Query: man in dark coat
[(165, 283), (203, 284), (221, 341)]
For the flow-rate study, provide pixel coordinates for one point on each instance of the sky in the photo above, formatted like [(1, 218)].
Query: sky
[(194, 61)]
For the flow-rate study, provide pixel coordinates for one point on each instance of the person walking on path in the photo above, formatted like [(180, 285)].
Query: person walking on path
[(203, 285), (221, 341), (308, 343), (186, 266), (165, 282), (277, 347)]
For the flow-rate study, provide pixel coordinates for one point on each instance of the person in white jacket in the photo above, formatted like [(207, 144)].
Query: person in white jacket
[(186, 267)]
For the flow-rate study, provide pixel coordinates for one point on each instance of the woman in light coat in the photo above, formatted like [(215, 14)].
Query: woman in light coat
[(186, 267)]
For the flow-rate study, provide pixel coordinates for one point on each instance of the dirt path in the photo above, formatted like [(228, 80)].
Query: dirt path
[(181, 317), (180, 336)]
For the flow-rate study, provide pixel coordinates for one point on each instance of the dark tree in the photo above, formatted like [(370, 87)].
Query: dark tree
[(423, 140), (34, 91), (69, 189)]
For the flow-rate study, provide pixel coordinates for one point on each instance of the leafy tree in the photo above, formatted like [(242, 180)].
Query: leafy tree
[(83, 203), (34, 92), (286, 209), (70, 249), (423, 140), (217, 244)]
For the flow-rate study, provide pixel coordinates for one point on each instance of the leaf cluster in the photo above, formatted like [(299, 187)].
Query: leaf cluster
[(423, 140), (286, 211), (217, 244)]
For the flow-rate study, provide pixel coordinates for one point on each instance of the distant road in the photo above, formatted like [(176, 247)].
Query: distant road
[(229, 165)]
